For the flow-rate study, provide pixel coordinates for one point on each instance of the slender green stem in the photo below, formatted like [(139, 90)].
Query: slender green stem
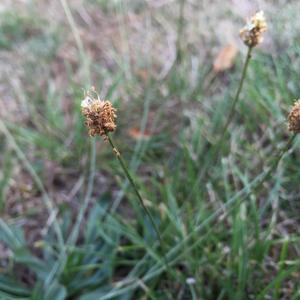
[(135, 188), (218, 145), (280, 155), (78, 40), (180, 31), (234, 103), (273, 166), (238, 92)]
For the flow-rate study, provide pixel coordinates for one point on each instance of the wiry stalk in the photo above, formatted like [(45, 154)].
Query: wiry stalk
[(232, 110), (234, 103), (135, 188), (281, 153), (218, 145), (180, 25)]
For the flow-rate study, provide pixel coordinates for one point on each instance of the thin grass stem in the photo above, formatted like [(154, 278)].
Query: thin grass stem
[(217, 148), (78, 41), (180, 25), (135, 188), (233, 106), (278, 158)]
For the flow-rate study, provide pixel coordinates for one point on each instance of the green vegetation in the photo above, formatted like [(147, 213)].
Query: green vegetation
[(71, 226)]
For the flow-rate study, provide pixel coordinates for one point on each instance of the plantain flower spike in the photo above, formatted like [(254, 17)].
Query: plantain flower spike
[(251, 34), (294, 118), (99, 115)]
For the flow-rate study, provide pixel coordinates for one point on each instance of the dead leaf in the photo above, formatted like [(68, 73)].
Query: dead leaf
[(225, 58), (142, 74), (136, 134)]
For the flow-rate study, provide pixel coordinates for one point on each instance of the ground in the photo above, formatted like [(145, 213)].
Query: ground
[(71, 226)]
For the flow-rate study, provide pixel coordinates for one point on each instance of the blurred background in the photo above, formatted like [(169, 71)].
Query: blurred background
[(71, 227)]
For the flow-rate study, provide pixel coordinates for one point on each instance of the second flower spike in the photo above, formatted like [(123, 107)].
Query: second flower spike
[(251, 34)]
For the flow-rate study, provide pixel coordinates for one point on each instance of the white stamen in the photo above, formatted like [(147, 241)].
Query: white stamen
[(86, 102)]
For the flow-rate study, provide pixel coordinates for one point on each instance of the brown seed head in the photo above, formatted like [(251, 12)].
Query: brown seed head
[(294, 118), (99, 115), (251, 34)]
